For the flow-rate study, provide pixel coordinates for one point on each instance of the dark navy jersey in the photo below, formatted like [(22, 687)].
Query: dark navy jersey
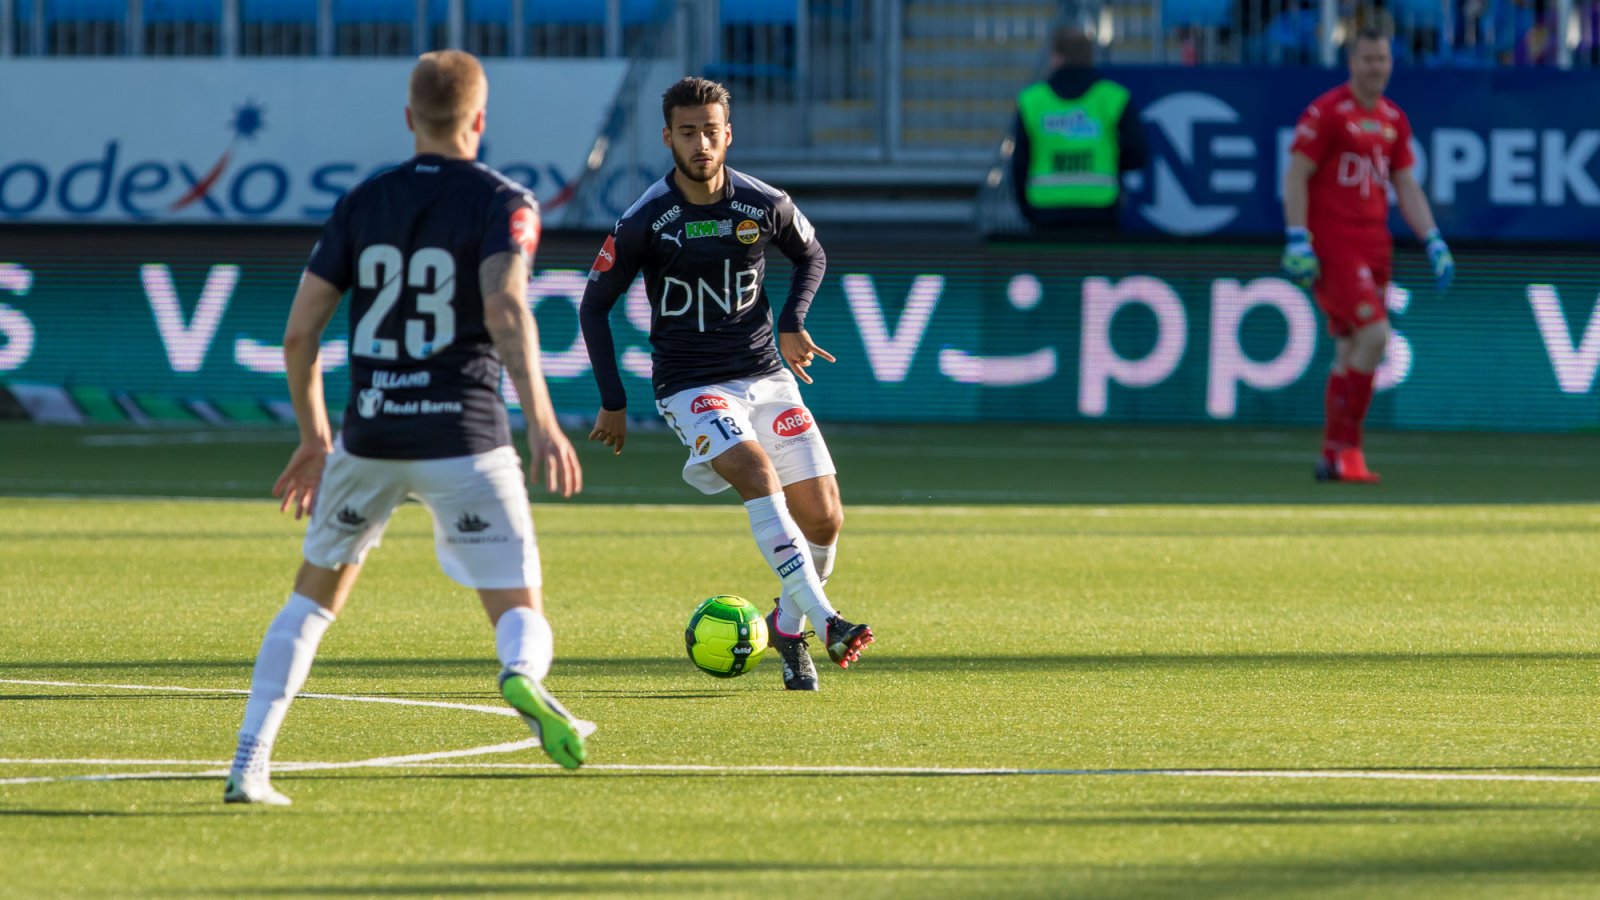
[(407, 243), (704, 268)]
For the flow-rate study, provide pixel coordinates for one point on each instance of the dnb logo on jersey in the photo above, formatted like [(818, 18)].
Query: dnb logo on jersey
[(707, 403), (525, 230), (794, 421)]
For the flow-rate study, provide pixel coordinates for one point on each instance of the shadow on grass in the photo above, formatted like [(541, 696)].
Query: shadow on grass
[(1407, 866), (613, 877)]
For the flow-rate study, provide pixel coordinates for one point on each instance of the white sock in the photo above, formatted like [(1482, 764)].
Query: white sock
[(524, 643), (823, 557), (781, 543), (790, 616), (281, 669)]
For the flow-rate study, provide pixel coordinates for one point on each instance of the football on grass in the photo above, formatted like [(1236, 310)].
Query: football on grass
[(726, 636)]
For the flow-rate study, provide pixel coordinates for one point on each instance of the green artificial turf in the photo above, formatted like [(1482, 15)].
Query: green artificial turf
[(1124, 608)]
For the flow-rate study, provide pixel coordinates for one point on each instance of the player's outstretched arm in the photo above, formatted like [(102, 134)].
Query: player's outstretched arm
[(1418, 214), (798, 350), (551, 459), (314, 304)]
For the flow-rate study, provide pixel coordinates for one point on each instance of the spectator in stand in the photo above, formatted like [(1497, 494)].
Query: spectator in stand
[(1295, 35), (1536, 44), (1588, 49), (1370, 15)]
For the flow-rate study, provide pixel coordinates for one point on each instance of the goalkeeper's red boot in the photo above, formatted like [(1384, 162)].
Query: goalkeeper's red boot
[(1352, 466)]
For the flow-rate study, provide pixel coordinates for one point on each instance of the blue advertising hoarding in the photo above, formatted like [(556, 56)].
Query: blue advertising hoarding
[(1504, 154)]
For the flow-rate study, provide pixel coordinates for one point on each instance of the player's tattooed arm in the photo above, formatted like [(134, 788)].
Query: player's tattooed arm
[(504, 281)]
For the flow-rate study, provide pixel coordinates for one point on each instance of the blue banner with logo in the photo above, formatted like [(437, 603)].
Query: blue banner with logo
[(1503, 154)]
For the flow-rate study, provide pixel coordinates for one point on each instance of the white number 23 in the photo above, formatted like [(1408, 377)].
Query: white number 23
[(379, 268)]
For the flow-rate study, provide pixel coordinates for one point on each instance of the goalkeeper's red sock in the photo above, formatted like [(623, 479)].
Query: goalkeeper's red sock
[(1333, 416), (1358, 399)]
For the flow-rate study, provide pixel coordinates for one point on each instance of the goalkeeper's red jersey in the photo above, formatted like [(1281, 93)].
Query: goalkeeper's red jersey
[(1355, 150)]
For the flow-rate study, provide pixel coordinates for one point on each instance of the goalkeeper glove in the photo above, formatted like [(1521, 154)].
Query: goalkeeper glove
[(1444, 265), (1299, 260)]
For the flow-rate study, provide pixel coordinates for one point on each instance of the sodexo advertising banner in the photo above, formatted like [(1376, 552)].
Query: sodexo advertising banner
[(1503, 154), (270, 141)]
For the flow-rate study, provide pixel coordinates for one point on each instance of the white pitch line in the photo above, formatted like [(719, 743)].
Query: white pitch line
[(349, 698), (113, 762), (1102, 773), (422, 761), (584, 727), (432, 760)]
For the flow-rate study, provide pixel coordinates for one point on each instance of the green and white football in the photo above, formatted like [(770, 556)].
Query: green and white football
[(726, 636)]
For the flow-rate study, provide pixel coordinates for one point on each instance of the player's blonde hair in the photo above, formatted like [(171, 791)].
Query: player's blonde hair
[(448, 88)]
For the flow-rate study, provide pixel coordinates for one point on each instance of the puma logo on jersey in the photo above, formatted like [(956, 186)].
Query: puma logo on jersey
[(675, 238)]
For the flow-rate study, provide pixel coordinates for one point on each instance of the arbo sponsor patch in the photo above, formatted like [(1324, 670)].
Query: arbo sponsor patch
[(793, 421), (706, 403)]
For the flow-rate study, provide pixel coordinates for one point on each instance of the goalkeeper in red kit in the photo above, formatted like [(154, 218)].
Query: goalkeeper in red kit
[(1350, 146)]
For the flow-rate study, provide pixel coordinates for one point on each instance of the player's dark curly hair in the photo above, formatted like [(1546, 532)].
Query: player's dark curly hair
[(691, 91)]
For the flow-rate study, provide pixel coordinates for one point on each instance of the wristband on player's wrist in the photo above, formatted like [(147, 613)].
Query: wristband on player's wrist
[(1432, 236), (1297, 234)]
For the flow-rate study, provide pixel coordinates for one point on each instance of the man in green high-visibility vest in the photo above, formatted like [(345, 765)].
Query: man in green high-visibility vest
[(1075, 133)]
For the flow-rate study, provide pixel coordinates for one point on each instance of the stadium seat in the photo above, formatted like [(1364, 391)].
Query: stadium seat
[(207, 12), (758, 41), (80, 27), (589, 12), (182, 27), (278, 12), (373, 12), (278, 27), (1421, 12), (1197, 13), (760, 12)]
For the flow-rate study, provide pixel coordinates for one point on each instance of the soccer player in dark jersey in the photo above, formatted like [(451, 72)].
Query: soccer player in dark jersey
[(700, 236), (436, 254)]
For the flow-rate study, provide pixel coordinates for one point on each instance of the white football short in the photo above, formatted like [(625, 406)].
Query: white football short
[(768, 410), (482, 526)]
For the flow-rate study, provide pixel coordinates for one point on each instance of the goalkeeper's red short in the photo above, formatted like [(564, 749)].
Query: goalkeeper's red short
[(1354, 280)]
